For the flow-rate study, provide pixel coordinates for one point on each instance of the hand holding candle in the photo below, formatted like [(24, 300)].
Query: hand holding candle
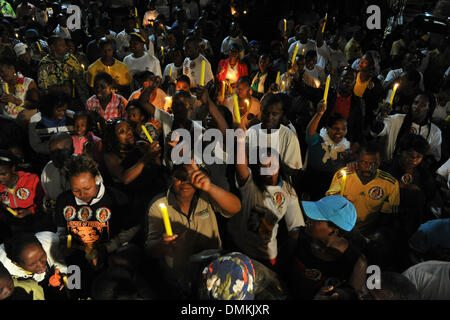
[(294, 55), (285, 25), (325, 22), (144, 129), (69, 241), (166, 219), (277, 81), (14, 213)]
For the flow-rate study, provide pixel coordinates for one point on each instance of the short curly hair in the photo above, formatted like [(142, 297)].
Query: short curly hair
[(78, 164)]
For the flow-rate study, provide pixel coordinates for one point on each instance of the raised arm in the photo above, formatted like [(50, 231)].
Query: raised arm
[(314, 123), (212, 108)]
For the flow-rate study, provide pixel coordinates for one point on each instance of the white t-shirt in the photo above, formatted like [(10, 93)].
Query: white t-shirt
[(441, 112), (176, 72), (225, 48), (49, 242), (53, 181), (287, 144), (431, 278), (395, 74), (392, 125), (193, 69), (146, 62), (278, 201), (444, 171), (317, 74), (309, 45)]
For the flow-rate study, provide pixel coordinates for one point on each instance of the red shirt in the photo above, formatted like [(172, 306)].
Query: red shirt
[(342, 105), (27, 194), (223, 70)]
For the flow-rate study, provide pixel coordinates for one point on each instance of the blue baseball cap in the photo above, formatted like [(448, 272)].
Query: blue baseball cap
[(336, 209)]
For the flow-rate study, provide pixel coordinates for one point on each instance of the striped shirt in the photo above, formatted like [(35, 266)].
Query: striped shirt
[(114, 109)]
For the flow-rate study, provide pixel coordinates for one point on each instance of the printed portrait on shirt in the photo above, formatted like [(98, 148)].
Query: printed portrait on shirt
[(84, 214), (22, 193), (103, 214), (376, 193), (4, 198), (69, 213), (89, 232)]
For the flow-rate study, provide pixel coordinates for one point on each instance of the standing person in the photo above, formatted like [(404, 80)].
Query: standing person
[(139, 60), (236, 37), (192, 64), (26, 64), (105, 102), (264, 78), (123, 37), (84, 140), (192, 203), (231, 69), (107, 63)]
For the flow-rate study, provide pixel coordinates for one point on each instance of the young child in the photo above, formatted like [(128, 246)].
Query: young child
[(84, 140), (139, 116), (12, 289), (21, 195)]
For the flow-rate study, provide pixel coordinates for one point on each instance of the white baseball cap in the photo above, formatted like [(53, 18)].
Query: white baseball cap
[(20, 48)]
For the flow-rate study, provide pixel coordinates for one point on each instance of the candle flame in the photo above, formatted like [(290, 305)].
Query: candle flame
[(396, 85), (317, 83), (343, 173), (247, 102), (162, 205)]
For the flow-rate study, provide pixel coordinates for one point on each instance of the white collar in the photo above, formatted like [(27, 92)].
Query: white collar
[(99, 196)]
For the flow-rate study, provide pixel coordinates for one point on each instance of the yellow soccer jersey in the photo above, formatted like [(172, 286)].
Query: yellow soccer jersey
[(379, 195), (118, 71)]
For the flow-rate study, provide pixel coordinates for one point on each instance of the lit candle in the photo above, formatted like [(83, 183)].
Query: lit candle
[(69, 241), (39, 46), (393, 93), (282, 86), (303, 51), (344, 179), (136, 14), (327, 86), (17, 35), (144, 129), (247, 102), (6, 87), (168, 102), (166, 219), (295, 54), (14, 213), (162, 51), (237, 114), (65, 280), (284, 25), (170, 71), (82, 66), (317, 83), (223, 90), (277, 81), (325, 22), (202, 74)]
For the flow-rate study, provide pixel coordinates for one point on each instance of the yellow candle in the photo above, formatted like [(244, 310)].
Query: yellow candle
[(166, 219), (223, 90), (248, 104), (277, 81), (237, 114), (344, 179), (282, 86), (327, 86), (295, 54), (14, 213), (303, 51), (136, 14), (393, 93), (82, 66), (284, 25), (162, 51), (65, 280), (73, 88), (39, 46), (6, 87), (326, 17), (147, 134), (170, 71), (202, 74), (69, 241)]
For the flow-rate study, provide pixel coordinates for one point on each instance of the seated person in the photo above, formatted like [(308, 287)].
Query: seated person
[(21, 196), (328, 151), (13, 289), (278, 136), (417, 120), (33, 256), (105, 102), (138, 116), (158, 97), (323, 256), (417, 185), (231, 69), (249, 107), (84, 140), (374, 193), (191, 195), (53, 117)]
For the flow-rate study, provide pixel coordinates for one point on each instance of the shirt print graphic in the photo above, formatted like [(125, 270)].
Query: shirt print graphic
[(22, 193)]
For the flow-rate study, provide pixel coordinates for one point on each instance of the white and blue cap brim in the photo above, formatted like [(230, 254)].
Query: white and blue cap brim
[(336, 209)]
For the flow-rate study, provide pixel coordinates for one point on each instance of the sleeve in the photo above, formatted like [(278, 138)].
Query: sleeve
[(444, 170), (294, 216), (312, 140), (224, 47), (121, 238), (38, 196), (157, 68), (391, 203), (435, 145), (209, 76), (324, 51), (127, 76), (292, 153), (50, 244), (335, 186), (163, 117)]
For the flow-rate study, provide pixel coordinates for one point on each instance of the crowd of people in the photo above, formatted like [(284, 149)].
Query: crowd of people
[(350, 128)]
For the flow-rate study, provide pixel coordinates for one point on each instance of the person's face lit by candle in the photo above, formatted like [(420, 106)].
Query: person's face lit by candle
[(107, 51), (59, 113), (80, 126), (135, 116), (234, 54), (70, 46), (136, 46), (124, 134), (243, 90), (83, 187), (182, 86), (191, 48), (337, 131), (419, 108), (271, 116), (181, 181), (102, 90), (303, 34), (7, 72), (33, 259), (410, 159), (368, 164)]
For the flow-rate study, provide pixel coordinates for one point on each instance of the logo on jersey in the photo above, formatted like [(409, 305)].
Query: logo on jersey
[(280, 199), (103, 214), (376, 193), (22, 193), (407, 178), (69, 213)]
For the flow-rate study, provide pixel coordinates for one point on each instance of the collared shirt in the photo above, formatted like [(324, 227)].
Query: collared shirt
[(342, 105), (196, 232), (114, 109), (118, 71)]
